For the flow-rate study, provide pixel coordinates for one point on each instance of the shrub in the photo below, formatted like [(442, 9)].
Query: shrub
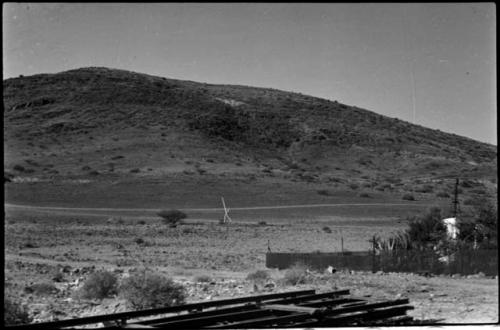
[(427, 229), (262, 223), (99, 285), (139, 241), (327, 229), (134, 170), (297, 274), (259, 276), (144, 291), (408, 197), (43, 289), (203, 278), (19, 168), (172, 217), (15, 313), (141, 222), (443, 194), (469, 201), (486, 218), (365, 195), (353, 186), (57, 276), (425, 189), (323, 192), (478, 191)]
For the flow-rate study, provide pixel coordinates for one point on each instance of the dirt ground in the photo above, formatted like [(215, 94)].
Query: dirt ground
[(39, 244)]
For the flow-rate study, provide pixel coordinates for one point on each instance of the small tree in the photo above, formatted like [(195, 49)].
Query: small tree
[(427, 229), (172, 217), (483, 227)]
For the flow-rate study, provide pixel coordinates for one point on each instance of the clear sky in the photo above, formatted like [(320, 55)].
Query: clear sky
[(430, 64)]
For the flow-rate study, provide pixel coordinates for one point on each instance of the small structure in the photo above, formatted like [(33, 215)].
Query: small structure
[(451, 227), (226, 218)]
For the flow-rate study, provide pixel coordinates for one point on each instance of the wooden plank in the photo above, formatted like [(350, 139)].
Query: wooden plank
[(291, 308)]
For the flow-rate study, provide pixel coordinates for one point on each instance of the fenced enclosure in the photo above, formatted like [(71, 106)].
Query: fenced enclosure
[(464, 261)]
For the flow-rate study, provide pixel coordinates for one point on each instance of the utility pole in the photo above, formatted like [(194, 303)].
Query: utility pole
[(455, 200)]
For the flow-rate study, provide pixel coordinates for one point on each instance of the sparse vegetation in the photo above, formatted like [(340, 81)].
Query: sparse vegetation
[(324, 192), (148, 290), (43, 289), (15, 313), (204, 278), (99, 285), (297, 274), (19, 168), (442, 194), (172, 217), (408, 197), (353, 186), (259, 276)]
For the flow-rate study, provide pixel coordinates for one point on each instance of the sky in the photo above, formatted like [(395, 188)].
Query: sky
[(430, 64)]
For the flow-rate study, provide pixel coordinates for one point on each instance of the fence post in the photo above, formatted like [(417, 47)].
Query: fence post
[(373, 254)]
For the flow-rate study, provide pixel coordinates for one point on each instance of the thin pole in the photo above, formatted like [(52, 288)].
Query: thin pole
[(455, 200), (341, 241)]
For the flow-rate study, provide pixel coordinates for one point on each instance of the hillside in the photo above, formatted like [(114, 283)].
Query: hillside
[(96, 123)]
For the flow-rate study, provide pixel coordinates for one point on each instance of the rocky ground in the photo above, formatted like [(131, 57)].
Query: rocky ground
[(442, 299)]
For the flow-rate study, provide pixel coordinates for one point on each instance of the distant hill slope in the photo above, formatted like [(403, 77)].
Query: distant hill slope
[(118, 121)]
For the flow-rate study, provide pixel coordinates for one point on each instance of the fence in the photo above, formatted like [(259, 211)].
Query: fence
[(463, 262)]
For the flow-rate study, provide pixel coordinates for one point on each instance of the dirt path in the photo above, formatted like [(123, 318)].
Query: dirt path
[(216, 209)]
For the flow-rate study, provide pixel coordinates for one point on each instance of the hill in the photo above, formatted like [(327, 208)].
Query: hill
[(98, 124)]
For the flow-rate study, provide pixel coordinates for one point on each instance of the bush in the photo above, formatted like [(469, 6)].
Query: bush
[(323, 192), (365, 195), (57, 276), (408, 197), (486, 217), (425, 189), (443, 194), (19, 168), (297, 274), (262, 223), (145, 291), (99, 285), (259, 276), (327, 229), (203, 278), (353, 186), (15, 313), (172, 217), (478, 191), (43, 289), (427, 229)]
